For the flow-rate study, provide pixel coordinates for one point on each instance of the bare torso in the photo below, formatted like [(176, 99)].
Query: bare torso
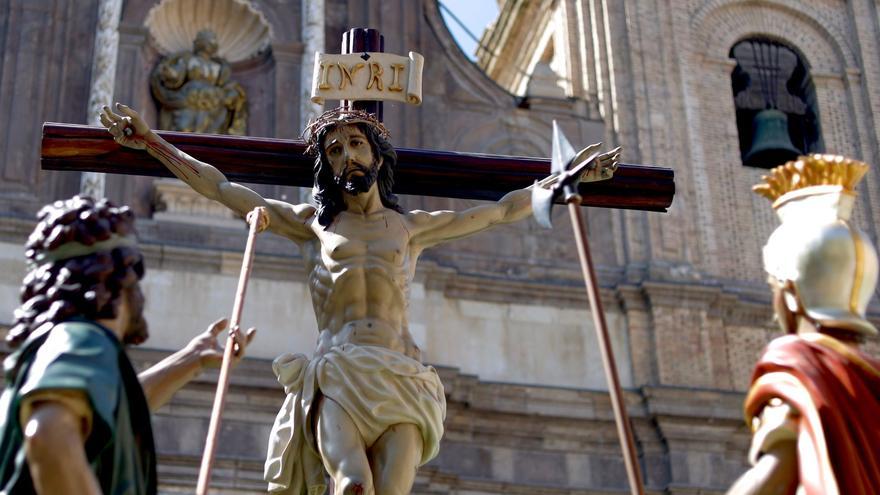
[(359, 281)]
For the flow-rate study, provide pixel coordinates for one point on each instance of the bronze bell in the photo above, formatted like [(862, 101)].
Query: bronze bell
[(771, 144)]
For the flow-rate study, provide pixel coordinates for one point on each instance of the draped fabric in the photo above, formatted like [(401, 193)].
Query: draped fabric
[(377, 387), (836, 392), (83, 357)]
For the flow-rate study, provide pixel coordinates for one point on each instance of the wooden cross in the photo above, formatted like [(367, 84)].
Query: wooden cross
[(79, 148)]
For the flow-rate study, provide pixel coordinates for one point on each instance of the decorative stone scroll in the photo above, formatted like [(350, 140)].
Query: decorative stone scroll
[(368, 76)]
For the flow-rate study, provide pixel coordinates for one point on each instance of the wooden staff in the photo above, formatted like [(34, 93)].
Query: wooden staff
[(621, 418), (258, 220)]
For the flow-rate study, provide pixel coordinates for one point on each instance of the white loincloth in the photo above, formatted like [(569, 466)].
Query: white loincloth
[(377, 387)]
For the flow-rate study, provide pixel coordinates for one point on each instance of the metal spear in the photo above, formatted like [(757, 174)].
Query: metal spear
[(568, 169)]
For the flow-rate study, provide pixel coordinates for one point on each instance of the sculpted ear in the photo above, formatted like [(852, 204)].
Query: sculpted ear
[(786, 305), (792, 301)]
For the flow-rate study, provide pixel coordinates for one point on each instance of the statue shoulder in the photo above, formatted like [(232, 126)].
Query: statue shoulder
[(84, 338), (305, 211), (82, 356), (419, 217)]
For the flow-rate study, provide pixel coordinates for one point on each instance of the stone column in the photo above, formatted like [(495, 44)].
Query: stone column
[(103, 79), (313, 41)]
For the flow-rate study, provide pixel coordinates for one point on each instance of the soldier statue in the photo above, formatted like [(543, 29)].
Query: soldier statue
[(814, 401)]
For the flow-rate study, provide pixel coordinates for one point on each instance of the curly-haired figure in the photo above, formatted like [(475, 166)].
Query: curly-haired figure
[(75, 415)]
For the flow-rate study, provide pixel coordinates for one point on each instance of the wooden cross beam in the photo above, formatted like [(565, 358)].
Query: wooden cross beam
[(79, 148)]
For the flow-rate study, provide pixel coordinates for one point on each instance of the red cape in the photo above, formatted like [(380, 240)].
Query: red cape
[(836, 390)]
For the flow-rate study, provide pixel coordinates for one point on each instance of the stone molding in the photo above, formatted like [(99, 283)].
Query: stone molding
[(716, 29), (734, 308), (175, 201), (498, 428)]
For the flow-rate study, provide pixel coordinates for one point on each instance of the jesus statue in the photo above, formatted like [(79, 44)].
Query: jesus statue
[(363, 407)]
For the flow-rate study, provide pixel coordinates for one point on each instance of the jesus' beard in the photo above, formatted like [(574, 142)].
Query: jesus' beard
[(357, 184)]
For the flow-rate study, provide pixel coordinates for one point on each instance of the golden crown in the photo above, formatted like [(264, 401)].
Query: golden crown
[(335, 117), (811, 170)]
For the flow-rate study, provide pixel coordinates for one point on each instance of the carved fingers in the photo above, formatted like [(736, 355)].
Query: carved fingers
[(604, 167), (609, 161), (208, 348), (260, 215), (242, 340), (134, 119), (127, 127)]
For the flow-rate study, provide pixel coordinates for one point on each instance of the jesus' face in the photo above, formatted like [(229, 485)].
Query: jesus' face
[(355, 166)]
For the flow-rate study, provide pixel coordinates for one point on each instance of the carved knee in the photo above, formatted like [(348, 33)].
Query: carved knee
[(355, 486)]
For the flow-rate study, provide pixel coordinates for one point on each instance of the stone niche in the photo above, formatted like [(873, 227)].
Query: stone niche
[(242, 31), (246, 41)]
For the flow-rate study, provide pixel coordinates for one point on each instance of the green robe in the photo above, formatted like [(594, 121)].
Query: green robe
[(83, 356)]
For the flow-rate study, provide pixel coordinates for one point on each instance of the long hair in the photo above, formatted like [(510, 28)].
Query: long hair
[(328, 195), (87, 286)]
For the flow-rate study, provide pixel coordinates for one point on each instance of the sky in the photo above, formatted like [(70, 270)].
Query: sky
[(474, 14)]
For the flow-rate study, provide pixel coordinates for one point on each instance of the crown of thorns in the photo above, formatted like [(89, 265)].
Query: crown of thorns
[(336, 117)]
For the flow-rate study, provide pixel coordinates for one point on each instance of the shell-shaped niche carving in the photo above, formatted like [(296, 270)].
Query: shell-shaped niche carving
[(242, 31)]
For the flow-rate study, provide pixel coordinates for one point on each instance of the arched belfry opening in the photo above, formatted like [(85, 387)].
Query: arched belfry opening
[(777, 116)]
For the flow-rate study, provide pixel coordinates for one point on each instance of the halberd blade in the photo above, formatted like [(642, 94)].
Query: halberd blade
[(563, 151), (542, 204)]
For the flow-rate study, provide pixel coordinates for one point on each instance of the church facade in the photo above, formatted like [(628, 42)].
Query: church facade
[(502, 316)]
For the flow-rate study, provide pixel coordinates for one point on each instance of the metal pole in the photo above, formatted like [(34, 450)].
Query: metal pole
[(621, 418), (223, 381)]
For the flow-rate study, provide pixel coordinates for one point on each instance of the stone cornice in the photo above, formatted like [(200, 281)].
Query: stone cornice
[(732, 307), (737, 305)]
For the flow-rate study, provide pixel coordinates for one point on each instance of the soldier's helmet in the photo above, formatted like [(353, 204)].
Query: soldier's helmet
[(831, 262)]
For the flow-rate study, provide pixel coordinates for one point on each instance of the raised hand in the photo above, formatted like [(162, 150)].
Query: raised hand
[(604, 168), (601, 167), (209, 350), (259, 215), (127, 126)]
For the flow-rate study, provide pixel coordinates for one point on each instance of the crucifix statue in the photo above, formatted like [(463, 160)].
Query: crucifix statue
[(363, 401), (363, 407)]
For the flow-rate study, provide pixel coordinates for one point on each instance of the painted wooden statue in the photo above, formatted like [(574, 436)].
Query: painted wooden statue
[(74, 415), (814, 402)]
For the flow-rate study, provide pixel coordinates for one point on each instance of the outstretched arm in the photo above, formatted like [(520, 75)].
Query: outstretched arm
[(162, 380), (129, 129), (440, 226), (432, 228)]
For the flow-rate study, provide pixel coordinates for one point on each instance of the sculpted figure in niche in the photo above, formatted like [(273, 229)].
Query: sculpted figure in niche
[(195, 93), (363, 407)]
